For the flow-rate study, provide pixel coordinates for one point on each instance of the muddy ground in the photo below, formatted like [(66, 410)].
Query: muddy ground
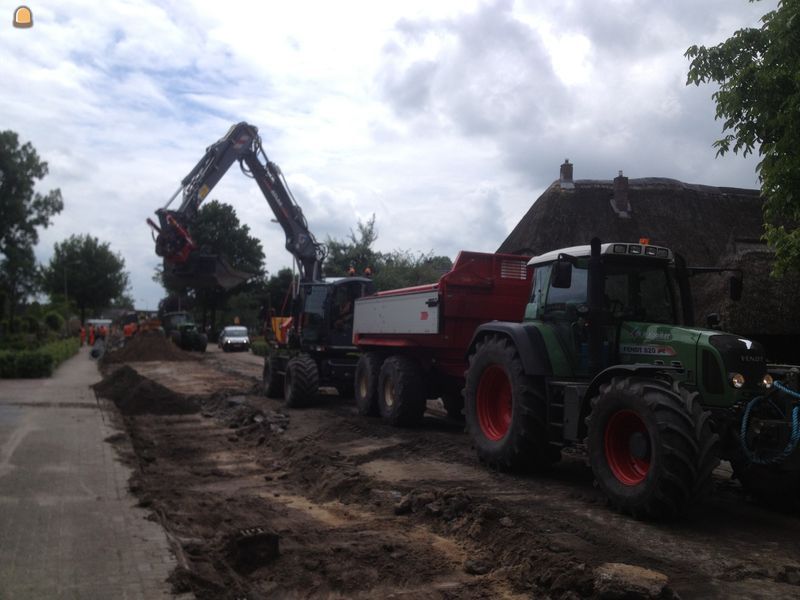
[(260, 501)]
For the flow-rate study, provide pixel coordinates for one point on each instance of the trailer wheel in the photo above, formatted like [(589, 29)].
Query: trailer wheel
[(505, 409), (368, 372), (301, 381), (651, 446), (401, 397), (273, 380)]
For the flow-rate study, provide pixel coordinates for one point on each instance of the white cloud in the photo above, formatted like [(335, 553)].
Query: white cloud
[(444, 119)]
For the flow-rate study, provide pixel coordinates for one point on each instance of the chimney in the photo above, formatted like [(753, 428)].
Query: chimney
[(620, 202), (565, 179)]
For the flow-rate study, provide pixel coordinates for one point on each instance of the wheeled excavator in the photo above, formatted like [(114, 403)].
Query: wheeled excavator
[(313, 346)]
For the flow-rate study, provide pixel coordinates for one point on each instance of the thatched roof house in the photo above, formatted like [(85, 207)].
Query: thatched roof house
[(709, 226)]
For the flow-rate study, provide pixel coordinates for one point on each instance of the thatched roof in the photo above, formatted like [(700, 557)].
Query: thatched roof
[(709, 226)]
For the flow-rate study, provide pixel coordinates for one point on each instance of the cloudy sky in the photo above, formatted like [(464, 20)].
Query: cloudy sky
[(445, 119)]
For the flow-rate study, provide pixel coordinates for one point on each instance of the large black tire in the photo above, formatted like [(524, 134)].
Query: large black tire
[(505, 409), (301, 382), (401, 392), (368, 371), (273, 380), (651, 447)]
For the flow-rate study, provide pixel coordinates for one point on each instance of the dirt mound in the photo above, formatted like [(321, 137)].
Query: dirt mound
[(135, 395), (147, 346)]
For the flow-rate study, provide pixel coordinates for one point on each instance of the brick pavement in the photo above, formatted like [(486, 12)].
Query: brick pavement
[(69, 527)]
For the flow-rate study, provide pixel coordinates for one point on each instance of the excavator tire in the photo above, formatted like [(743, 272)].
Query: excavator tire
[(368, 371), (651, 447), (273, 380), (301, 382), (401, 393)]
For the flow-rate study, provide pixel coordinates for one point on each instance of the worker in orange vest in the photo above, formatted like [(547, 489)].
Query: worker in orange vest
[(91, 334), (83, 335)]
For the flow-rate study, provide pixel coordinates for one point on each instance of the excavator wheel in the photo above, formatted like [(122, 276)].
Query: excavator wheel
[(273, 380), (301, 382)]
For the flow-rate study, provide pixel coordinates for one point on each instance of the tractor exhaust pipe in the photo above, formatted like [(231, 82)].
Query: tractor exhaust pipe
[(596, 284)]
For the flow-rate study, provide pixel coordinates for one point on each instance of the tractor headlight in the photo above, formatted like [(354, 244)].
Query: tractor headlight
[(737, 380), (767, 381)]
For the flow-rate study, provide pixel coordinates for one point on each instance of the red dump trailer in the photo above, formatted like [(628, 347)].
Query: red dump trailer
[(414, 340)]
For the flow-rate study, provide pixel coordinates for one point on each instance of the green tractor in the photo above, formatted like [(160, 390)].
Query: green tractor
[(182, 330), (607, 359)]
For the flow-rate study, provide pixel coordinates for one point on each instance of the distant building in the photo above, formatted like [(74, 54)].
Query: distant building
[(709, 226)]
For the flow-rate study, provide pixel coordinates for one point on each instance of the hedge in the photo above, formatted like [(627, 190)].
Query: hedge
[(259, 348), (36, 363)]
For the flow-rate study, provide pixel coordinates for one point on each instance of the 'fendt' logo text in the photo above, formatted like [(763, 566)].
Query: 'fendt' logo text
[(745, 358)]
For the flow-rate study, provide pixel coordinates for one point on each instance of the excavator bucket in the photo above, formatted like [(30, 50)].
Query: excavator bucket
[(204, 271)]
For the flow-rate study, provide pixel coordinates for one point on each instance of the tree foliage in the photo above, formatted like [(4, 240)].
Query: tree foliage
[(217, 230), (758, 74), (87, 272), (22, 209), (395, 269)]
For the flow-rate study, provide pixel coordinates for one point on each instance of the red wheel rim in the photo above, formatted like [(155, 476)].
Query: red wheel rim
[(627, 447), (493, 403)]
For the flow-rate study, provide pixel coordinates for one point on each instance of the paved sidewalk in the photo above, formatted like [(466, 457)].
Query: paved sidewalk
[(69, 527)]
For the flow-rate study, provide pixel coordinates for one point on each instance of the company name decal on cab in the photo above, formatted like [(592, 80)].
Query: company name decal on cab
[(648, 350)]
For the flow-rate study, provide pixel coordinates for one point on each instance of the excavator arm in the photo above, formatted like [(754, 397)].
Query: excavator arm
[(183, 261)]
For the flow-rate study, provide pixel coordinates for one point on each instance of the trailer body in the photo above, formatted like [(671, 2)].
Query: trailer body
[(432, 325)]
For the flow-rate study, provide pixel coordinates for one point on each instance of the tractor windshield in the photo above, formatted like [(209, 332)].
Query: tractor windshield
[(640, 290)]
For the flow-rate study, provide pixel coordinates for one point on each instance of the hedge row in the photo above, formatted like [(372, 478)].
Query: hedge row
[(259, 348), (36, 363)]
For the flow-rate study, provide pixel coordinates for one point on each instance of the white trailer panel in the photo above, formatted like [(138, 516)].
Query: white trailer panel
[(417, 312)]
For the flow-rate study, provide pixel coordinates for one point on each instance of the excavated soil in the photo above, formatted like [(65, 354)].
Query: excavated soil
[(260, 501), (147, 347)]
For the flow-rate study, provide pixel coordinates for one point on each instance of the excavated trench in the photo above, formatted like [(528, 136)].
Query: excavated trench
[(260, 501)]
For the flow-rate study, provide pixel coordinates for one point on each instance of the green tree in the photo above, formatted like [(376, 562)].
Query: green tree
[(217, 230), (758, 74), (19, 278), (22, 210), (396, 269), (87, 272)]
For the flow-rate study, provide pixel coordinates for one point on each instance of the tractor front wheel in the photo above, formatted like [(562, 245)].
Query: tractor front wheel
[(651, 446), (301, 381), (505, 409)]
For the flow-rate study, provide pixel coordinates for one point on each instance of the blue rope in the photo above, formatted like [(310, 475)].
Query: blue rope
[(793, 440)]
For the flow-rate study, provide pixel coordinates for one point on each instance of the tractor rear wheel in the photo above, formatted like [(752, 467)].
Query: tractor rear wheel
[(651, 447), (368, 372), (273, 381), (401, 394), (505, 409), (301, 381)]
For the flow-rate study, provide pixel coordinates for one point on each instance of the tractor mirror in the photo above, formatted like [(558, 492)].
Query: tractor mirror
[(736, 288), (562, 274)]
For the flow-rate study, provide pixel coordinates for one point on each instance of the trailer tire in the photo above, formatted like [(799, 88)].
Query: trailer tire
[(301, 381), (505, 409), (273, 380), (368, 371), (401, 394), (773, 486), (651, 447)]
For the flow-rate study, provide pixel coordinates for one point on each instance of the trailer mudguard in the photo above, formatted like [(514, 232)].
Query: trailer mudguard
[(526, 337)]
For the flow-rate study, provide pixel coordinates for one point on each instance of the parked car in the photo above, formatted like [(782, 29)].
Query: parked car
[(234, 337)]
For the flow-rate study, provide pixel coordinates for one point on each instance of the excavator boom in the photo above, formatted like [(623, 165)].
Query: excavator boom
[(184, 263)]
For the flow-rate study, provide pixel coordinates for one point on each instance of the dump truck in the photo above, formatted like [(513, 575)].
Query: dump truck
[(602, 355)]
